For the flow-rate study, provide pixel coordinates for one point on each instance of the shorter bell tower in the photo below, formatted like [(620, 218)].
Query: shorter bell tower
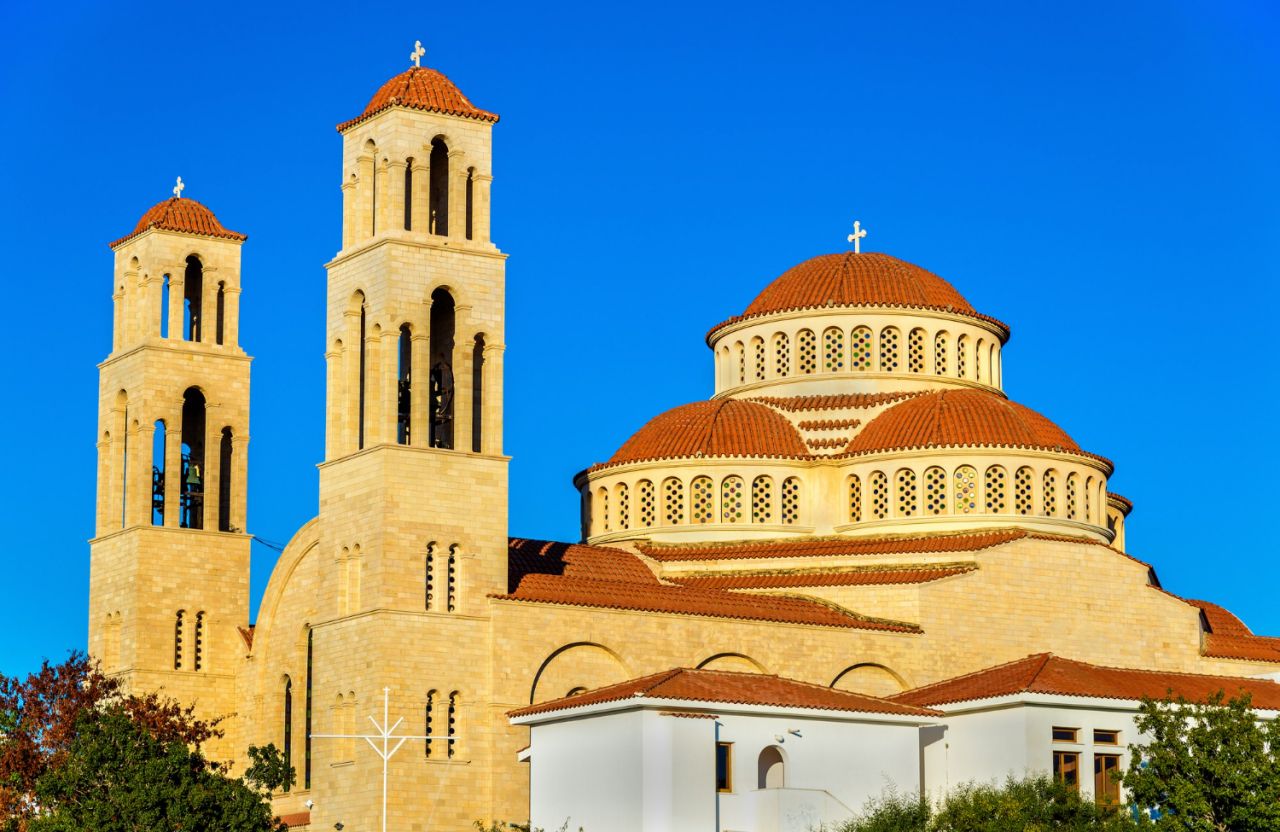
[(169, 576)]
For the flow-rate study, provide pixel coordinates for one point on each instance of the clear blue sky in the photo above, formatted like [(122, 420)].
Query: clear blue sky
[(1103, 176)]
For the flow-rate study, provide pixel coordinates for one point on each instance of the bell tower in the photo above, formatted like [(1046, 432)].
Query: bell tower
[(169, 580)]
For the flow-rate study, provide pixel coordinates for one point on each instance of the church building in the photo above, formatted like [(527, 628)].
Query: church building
[(857, 509)]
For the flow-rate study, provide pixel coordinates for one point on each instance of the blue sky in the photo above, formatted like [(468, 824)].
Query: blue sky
[(1101, 176)]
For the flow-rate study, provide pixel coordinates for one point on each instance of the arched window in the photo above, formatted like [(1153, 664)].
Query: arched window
[(790, 502), (455, 706), (477, 394), (860, 358), (306, 737), (442, 378), (408, 194), (197, 652), (935, 490), (855, 499), (762, 500), (879, 495), (731, 499), (757, 347), (1050, 494), (429, 719), (164, 307), (438, 192), (452, 577), (429, 576), (770, 769), (602, 509), (288, 726), (672, 501), (1088, 501), (915, 351), (624, 506), (940, 354), (220, 314), (364, 365), (645, 497), (962, 356), (179, 624), (781, 355), (192, 299), (740, 352), (157, 474), (807, 345), (833, 350), (977, 360), (702, 499), (404, 385), (1023, 493), (225, 450), (994, 488), (965, 489), (193, 437), (1073, 496), (908, 499), (471, 201), (889, 350)]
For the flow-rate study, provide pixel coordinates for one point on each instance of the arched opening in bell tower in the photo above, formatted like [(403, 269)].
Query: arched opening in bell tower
[(442, 381), (477, 393), (408, 194), (471, 200), (164, 307), (192, 476), (157, 474), (221, 313), (224, 480), (404, 385), (438, 193), (192, 295)]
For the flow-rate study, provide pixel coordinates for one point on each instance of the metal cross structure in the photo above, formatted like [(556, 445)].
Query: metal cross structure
[(177, 189), (417, 53), (858, 233), (386, 733)]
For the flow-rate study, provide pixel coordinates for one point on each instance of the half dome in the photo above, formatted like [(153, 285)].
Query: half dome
[(958, 418), (721, 428), (184, 215), (421, 88)]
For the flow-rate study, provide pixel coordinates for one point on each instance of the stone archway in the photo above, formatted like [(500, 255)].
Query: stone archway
[(869, 678), (576, 666)]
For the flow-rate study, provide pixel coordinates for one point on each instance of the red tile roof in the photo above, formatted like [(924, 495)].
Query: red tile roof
[(810, 578), (1121, 502), (1047, 673), (1230, 638), (573, 560), (829, 424), (421, 88), (721, 428), (728, 687), (960, 418), (852, 280), (830, 547), (843, 401), (184, 215), (296, 819)]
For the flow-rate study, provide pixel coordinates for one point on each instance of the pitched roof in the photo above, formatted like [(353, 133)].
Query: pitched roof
[(829, 547), (834, 577), (183, 215), (720, 428), (1230, 638), (1047, 673), (728, 687), (421, 88), (296, 819), (573, 560)]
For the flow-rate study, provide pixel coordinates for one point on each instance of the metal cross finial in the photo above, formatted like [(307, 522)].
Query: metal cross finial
[(177, 189), (417, 53), (858, 233)]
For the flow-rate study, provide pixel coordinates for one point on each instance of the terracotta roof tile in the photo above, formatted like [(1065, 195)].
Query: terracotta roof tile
[(832, 547), (720, 428), (1047, 673), (829, 424), (843, 401), (421, 88), (572, 560), (184, 215), (296, 819), (727, 687), (1120, 501), (853, 280), (1230, 638), (812, 578), (826, 442), (660, 598)]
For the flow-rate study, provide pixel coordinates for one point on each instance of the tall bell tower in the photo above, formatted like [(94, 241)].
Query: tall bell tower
[(413, 489), (169, 575)]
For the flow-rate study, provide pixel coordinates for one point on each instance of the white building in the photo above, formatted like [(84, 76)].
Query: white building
[(743, 752)]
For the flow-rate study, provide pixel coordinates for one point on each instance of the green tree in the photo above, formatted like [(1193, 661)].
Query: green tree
[(267, 770), (1208, 767)]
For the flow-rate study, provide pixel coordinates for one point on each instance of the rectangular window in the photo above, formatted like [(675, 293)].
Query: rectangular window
[(724, 766), (1106, 790), (1065, 734), (1104, 737), (1066, 769)]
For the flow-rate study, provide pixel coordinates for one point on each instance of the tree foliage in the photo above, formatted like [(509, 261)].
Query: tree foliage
[(1208, 767)]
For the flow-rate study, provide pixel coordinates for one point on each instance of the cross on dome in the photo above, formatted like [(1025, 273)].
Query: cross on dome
[(177, 189), (417, 53), (858, 233)]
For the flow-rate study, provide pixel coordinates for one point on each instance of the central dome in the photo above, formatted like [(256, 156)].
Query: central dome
[(725, 427), (421, 88)]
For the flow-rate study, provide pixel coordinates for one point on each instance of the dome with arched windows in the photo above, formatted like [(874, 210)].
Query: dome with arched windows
[(720, 428), (184, 215), (421, 88), (960, 418)]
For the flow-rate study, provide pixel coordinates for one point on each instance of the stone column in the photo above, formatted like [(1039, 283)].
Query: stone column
[(172, 464), (231, 316), (364, 199), (480, 208), (348, 403), (420, 402), (463, 346), (491, 440), (421, 192), (457, 195), (348, 188), (396, 196), (209, 307), (382, 223), (211, 476), (239, 477), (372, 385), (333, 397), (138, 510), (106, 499), (388, 382), (177, 283)]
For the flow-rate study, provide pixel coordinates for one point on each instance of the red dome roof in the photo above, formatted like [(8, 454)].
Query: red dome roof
[(850, 279), (959, 418), (725, 427), (421, 88), (184, 215)]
